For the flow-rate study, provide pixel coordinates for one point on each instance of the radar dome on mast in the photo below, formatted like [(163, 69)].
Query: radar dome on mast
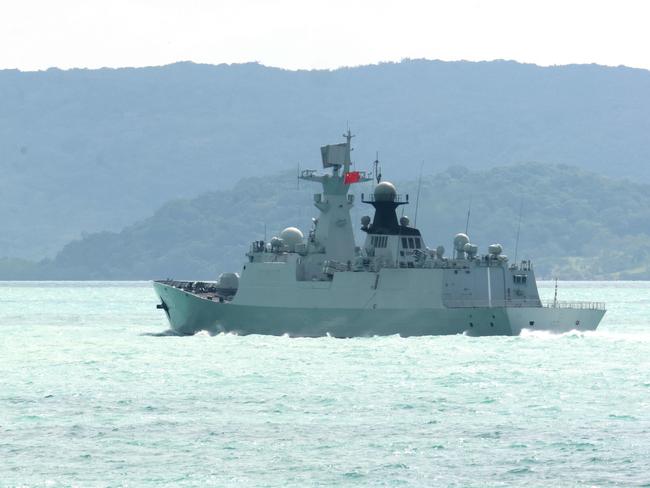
[(385, 192)]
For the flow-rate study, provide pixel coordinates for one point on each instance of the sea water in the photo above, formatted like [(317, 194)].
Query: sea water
[(92, 395)]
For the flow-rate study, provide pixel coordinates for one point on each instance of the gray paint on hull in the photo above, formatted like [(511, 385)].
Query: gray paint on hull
[(189, 314)]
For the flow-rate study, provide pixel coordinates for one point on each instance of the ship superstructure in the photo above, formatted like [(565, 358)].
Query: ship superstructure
[(324, 284)]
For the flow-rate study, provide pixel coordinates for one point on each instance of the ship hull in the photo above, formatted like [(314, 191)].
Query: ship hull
[(189, 313)]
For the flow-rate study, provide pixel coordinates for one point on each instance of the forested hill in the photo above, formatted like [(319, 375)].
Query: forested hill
[(575, 224), (90, 150)]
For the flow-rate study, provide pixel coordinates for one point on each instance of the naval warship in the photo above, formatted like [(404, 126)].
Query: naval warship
[(324, 284)]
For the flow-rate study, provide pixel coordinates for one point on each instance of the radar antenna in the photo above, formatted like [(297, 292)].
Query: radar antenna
[(377, 168)]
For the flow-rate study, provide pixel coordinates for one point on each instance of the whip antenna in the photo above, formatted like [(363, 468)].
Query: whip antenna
[(521, 206), (469, 211), (417, 198)]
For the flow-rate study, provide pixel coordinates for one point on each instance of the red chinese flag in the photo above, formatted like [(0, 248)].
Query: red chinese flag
[(352, 177)]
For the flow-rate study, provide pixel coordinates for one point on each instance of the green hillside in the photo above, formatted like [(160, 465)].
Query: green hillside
[(575, 225), (94, 150)]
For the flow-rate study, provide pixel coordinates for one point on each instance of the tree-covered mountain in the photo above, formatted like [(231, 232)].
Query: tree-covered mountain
[(91, 150), (574, 224)]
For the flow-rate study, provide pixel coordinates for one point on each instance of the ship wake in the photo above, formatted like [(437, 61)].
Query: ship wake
[(588, 334)]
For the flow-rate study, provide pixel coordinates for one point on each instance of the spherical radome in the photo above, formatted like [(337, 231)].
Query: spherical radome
[(291, 236), (460, 240), (385, 192)]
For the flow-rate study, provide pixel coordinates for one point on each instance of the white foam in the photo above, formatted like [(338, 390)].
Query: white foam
[(588, 334)]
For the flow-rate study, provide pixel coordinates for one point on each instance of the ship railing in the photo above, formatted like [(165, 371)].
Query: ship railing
[(574, 305), (484, 303), (397, 199), (523, 266), (495, 303), (191, 286)]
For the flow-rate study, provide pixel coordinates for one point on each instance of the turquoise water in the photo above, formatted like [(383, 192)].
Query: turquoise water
[(88, 397)]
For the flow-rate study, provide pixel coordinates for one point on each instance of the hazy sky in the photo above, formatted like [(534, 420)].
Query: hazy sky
[(320, 34)]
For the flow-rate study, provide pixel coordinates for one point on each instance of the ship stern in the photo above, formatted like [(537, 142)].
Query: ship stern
[(557, 317)]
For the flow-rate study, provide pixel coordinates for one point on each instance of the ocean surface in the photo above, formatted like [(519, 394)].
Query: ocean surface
[(91, 394)]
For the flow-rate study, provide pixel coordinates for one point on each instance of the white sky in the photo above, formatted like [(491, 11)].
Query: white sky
[(320, 34)]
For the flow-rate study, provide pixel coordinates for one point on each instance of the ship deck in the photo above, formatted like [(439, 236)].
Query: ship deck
[(203, 289)]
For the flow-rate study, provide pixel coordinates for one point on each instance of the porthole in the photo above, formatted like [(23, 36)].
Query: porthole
[(471, 324), (531, 323), (491, 324)]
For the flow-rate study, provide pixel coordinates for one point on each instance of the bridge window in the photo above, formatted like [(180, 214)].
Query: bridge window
[(405, 244), (418, 243), (411, 243), (519, 279)]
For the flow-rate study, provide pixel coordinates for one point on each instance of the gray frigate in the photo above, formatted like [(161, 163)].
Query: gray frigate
[(324, 284)]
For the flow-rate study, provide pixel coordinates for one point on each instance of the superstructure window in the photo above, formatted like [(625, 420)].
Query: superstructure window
[(519, 279), (418, 243), (405, 243), (411, 243)]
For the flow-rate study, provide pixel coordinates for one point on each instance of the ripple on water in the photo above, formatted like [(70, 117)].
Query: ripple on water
[(108, 400)]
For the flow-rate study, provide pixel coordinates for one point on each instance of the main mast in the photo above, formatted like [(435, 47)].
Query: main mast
[(333, 228)]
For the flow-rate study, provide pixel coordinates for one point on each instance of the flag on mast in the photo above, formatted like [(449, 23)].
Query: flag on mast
[(352, 177)]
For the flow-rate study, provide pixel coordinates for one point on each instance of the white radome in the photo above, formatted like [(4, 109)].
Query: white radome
[(291, 236), (385, 192), (460, 240)]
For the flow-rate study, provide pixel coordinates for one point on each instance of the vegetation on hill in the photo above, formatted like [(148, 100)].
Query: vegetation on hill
[(574, 225), (93, 150)]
